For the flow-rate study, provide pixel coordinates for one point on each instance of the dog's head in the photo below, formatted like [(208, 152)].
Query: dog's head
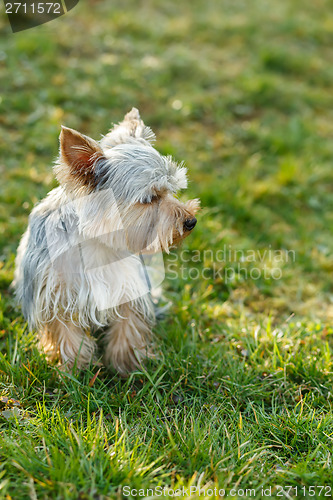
[(124, 189)]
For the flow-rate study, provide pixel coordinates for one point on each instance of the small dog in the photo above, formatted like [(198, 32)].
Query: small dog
[(79, 265)]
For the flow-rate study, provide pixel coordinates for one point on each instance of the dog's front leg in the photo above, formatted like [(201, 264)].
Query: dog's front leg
[(69, 343), (127, 340)]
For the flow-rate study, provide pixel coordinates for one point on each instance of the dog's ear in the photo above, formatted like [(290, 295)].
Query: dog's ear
[(78, 157), (135, 127), (132, 126)]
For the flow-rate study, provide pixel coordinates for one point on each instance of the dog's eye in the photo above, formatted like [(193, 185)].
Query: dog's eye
[(146, 201)]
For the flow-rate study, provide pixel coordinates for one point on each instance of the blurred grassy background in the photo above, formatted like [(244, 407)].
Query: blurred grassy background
[(242, 91)]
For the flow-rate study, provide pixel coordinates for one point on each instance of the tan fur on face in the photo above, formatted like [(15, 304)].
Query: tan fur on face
[(158, 225)]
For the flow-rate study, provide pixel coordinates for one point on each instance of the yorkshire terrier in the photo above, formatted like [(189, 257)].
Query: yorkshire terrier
[(79, 265)]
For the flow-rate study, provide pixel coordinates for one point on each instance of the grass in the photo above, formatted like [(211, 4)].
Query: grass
[(240, 396)]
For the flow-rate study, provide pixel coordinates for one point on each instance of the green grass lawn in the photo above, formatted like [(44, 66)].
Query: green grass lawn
[(240, 395)]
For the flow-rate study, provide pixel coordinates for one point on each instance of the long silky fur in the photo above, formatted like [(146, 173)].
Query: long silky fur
[(78, 262)]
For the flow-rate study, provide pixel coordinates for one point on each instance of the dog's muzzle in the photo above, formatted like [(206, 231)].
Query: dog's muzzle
[(189, 224)]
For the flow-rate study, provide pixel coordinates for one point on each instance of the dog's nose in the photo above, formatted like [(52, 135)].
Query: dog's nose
[(190, 223)]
